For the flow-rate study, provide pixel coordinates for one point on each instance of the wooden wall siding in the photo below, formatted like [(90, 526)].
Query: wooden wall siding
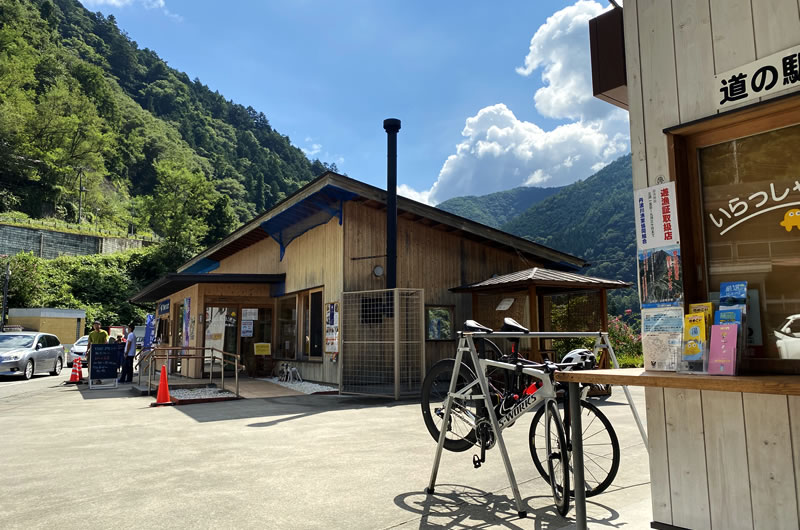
[(769, 452), (659, 85), (635, 100), (657, 450), (728, 482), (428, 258), (312, 260), (682, 44), (724, 460), (687, 463)]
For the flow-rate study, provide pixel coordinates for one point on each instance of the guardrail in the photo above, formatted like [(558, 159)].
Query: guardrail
[(163, 352)]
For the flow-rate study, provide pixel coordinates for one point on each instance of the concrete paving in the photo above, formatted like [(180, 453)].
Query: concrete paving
[(104, 458)]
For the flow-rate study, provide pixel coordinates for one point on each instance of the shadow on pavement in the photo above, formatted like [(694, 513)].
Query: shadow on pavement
[(458, 506), (284, 408)]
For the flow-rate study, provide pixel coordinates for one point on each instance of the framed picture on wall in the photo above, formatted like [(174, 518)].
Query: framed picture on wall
[(439, 323)]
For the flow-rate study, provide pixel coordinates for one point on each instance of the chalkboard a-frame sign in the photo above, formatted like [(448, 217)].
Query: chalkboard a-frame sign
[(104, 361)]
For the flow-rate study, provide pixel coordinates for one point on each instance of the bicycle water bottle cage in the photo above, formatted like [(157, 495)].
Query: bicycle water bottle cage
[(511, 325), (471, 325)]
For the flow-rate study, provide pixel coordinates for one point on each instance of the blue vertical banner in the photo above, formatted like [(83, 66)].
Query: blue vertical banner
[(149, 328)]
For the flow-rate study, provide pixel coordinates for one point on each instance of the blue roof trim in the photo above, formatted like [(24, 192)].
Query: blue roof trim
[(202, 266), (315, 210)]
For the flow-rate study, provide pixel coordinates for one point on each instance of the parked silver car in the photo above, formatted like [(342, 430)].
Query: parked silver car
[(78, 351), (30, 352)]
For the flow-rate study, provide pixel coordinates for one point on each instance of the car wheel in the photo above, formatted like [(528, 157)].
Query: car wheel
[(28, 373), (59, 365)]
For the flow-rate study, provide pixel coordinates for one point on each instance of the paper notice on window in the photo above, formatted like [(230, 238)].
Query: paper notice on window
[(662, 330), (247, 328), (249, 314)]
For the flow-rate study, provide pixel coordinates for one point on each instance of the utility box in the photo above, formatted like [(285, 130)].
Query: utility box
[(66, 324), (609, 76)]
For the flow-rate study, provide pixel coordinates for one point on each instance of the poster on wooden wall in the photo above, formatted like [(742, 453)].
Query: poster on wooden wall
[(332, 327)]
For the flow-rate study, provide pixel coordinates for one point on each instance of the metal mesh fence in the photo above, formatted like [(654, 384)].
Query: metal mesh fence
[(383, 343)]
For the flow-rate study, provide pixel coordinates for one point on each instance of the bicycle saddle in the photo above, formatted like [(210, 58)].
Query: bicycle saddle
[(509, 324), (471, 325)]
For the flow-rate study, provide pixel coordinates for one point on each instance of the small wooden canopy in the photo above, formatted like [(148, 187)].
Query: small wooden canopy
[(174, 282), (538, 283), (547, 281)]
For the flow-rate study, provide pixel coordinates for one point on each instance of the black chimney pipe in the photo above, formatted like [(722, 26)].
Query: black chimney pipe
[(392, 126)]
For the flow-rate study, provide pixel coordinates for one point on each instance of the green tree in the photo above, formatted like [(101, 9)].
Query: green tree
[(181, 202)]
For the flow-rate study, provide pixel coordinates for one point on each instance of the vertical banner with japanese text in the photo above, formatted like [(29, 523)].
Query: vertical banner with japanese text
[(660, 274)]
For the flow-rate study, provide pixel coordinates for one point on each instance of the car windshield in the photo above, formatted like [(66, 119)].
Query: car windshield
[(8, 342), (82, 341)]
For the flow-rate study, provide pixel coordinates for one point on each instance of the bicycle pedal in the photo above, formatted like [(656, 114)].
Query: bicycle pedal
[(476, 461)]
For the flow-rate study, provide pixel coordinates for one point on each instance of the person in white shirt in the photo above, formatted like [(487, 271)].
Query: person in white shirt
[(130, 352)]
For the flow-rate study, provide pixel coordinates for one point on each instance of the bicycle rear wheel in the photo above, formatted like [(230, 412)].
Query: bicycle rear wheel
[(601, 453), (461, 427), (557, 459)]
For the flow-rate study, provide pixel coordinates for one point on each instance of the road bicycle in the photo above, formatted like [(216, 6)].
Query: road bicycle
[(515, 386)]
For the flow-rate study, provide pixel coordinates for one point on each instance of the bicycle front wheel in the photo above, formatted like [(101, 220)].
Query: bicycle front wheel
[(557, 460), (601, 454), (460, 434)]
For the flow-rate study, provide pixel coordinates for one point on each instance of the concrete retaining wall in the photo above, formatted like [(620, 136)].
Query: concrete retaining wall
[(51, 244)]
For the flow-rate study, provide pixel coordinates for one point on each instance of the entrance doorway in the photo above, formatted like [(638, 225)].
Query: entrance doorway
[(221, 325)]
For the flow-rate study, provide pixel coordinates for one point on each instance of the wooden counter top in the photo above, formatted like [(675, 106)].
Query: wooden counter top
[(757, 384)]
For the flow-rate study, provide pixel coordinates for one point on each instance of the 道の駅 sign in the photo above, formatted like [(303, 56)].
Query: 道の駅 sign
[(777, 72)]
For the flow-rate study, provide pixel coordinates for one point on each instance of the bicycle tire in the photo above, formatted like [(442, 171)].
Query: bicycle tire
[(597, 477), (461, 434), (557, 458)]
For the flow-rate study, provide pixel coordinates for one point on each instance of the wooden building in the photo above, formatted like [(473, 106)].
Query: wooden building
[(280, 278), (713, 93)]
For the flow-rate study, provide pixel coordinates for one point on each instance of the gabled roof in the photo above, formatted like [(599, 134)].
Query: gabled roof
[(329, 191), (540, 277)]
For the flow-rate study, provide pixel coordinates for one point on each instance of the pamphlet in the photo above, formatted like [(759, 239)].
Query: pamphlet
[(707, 309), (661, 337), (722, 359), (695, 345)]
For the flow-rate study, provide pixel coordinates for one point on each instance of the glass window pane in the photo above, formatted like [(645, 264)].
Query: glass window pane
[(751, 212), (287, 328)]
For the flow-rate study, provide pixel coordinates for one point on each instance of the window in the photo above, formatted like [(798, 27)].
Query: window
[(439, 322), (287, 328), (52, 341), (739, 194), (311, 338)]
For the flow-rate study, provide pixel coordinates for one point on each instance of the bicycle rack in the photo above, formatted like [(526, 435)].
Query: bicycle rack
[(466, 344)]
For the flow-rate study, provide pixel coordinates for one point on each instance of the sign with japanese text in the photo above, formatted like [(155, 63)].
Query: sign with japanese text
[(656, 216), (775, 73), (753, 202), (163, 307)]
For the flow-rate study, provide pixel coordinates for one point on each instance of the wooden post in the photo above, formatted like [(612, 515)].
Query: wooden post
[(533, 304), (605, 361)]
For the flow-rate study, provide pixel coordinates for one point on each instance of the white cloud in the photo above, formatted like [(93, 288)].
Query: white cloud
[(419, 196), (500, 151), (161, 5), (313, 150)]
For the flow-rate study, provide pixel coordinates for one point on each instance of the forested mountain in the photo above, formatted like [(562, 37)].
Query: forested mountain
[(496, 209), (156, 149), (593, 219)]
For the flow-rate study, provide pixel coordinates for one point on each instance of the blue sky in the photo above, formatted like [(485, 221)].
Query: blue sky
[(491, 95)]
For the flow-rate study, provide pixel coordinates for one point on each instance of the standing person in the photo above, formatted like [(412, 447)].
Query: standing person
[(130, 353), (97, 336)]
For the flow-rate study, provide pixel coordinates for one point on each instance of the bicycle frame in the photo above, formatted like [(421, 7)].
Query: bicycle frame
[(543, 393)]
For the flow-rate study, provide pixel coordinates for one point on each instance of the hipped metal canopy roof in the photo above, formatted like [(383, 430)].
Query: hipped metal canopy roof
[(545, 280), (174, 282)]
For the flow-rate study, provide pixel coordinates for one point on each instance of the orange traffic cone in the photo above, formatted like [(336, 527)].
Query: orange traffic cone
[(77, 373), (163, 390)]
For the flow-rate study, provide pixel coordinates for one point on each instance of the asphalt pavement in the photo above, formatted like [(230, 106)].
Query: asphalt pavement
[(104, 458)]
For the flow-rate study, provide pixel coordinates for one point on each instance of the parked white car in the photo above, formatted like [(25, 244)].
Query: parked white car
[(78, 351), (787, 338)]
